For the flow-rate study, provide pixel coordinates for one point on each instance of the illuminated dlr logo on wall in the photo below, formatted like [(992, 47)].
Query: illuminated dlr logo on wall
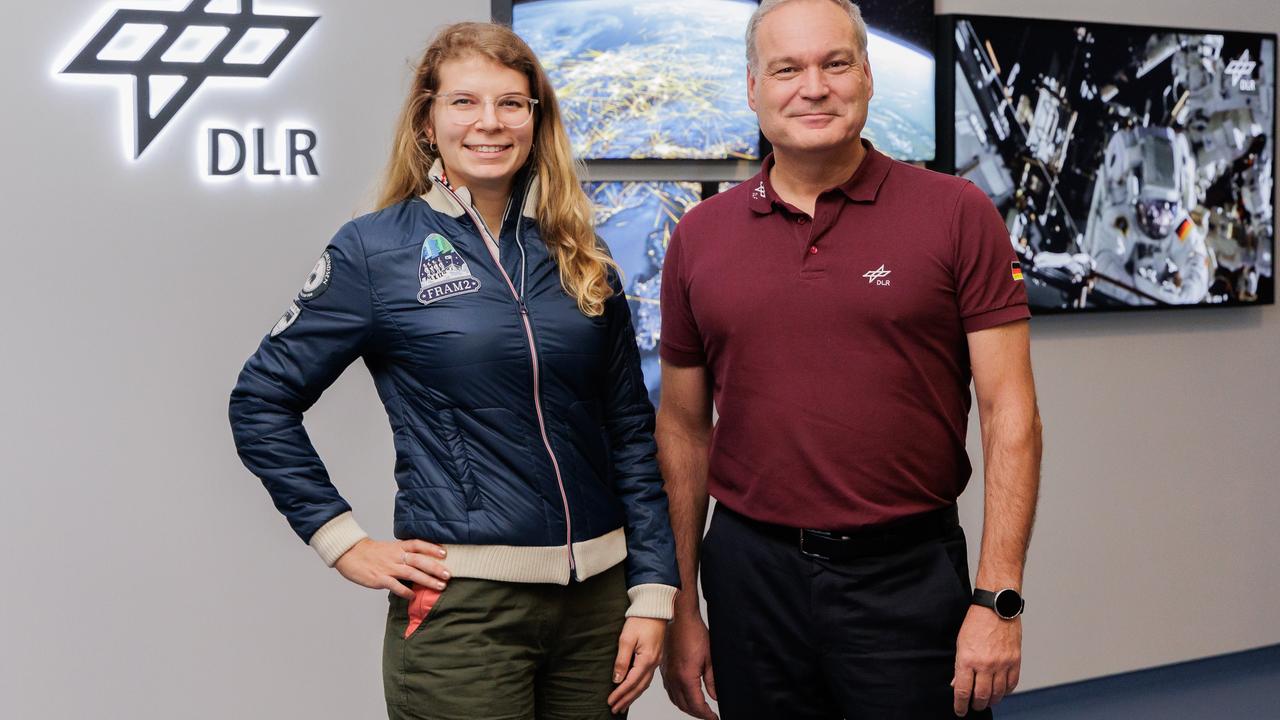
[(164, 55), (229, 153)]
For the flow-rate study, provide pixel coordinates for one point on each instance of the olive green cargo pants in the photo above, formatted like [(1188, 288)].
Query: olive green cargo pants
[(488, 650)]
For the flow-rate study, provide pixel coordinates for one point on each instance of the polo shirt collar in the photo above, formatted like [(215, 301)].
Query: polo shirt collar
[(862, 186)]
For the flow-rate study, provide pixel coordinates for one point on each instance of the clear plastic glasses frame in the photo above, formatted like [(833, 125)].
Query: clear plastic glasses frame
[(466, 108)]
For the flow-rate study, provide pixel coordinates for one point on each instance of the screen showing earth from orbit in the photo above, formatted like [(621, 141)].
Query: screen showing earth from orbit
[(648, 79), (666, 79), (636, 220)]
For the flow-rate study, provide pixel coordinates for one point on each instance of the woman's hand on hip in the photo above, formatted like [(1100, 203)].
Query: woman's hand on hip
[(639, 652), (382, 565)]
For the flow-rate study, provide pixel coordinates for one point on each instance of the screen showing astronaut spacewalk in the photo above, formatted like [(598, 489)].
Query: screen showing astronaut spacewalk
[(1135, 167)]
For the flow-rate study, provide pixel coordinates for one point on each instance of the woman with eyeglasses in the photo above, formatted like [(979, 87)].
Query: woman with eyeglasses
[(533, 571)]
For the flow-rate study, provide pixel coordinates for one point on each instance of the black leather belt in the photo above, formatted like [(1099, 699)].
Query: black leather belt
[(861, 542)]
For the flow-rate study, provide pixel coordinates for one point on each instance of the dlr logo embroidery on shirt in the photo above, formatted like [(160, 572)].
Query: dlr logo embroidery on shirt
[(877, 276)]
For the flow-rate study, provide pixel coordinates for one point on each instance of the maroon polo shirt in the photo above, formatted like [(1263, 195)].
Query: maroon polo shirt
[(836, 344)]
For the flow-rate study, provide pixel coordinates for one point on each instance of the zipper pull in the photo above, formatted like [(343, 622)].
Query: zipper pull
[(524, 309)]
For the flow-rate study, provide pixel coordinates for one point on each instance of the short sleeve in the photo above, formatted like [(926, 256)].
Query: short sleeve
[(681, 343), (988, 277)]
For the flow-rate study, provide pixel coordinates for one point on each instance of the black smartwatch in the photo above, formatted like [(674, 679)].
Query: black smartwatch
[(1006, 603)]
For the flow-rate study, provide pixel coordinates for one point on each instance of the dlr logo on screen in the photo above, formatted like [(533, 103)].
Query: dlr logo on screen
[(252, 153)]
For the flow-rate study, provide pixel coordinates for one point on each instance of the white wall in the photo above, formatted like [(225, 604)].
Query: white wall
[(146, 575)]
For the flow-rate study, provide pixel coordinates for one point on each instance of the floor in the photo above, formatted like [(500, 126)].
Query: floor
[(1240, 686)]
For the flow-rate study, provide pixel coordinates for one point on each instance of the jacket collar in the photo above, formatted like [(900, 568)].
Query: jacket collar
[(443, 201)]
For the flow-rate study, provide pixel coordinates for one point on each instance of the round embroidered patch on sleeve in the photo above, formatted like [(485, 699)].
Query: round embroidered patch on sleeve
[(318, 281), (290, 315)]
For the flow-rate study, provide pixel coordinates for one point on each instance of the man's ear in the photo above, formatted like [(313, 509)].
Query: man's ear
[(871, 81)]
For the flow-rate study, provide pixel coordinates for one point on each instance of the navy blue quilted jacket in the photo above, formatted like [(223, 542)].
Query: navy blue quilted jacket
[(523, 433)]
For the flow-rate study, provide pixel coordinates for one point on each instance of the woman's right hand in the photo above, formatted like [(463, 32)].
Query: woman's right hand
[(382, 565)]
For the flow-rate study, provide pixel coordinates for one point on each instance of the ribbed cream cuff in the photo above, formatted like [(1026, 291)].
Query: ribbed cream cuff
[(652, 600), (336, 537)]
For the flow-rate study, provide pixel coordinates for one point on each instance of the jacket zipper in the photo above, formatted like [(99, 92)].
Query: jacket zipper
[(533, 356)]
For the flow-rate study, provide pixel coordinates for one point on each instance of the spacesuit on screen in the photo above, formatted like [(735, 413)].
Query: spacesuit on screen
[(1133, 165), (1141, 232), (1226, 114)]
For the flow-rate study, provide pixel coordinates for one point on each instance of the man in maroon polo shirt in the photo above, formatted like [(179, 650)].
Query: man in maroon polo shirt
[(835, 308)]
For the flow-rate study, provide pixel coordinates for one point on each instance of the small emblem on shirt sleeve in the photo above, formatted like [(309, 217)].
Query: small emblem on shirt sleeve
[(290, 315), (443, 272), (318, 281), (1016, 269)]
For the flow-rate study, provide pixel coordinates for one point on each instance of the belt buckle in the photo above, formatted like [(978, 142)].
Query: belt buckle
[(804, 546)]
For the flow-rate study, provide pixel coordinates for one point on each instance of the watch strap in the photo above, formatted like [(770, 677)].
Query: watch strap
[(988, 599)]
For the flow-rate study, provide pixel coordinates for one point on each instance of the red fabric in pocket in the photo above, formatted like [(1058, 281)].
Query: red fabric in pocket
[(424, 598)]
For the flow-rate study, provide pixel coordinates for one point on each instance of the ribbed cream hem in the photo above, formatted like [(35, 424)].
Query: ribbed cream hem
[(652, 600), (336, 537), (537, 564), (513, 563)]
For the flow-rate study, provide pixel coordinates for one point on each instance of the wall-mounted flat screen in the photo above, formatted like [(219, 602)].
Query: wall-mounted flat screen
[(1135, 166), (636, 219), (900, 47), (647, 79), (666, 79)]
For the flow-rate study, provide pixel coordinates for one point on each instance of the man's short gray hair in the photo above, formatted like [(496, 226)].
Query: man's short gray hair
[(768, 6)]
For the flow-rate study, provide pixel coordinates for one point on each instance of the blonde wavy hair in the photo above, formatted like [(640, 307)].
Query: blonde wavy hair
[(564, 212)]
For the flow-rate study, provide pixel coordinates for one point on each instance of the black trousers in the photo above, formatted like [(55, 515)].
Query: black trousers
[(867, 637)]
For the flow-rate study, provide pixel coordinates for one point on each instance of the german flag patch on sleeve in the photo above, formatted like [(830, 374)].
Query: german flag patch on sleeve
[(1184, 229), (1016, 269)]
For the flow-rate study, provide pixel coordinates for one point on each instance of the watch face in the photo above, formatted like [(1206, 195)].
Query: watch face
[(1008, 603)]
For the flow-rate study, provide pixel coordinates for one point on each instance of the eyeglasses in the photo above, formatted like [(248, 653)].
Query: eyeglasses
[(465, 108)]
